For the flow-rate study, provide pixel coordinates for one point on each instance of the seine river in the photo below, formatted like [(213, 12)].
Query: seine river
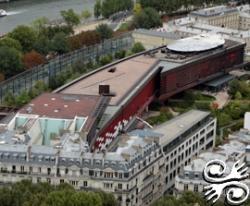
[(25, 11)]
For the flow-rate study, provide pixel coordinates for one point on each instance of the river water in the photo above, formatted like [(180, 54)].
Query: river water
[(26, 11)]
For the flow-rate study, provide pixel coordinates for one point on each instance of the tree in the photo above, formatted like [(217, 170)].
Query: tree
[(137, 8), (110, 7), (33, 59), (38, 89), (137, 47), (25, 35), (70, 17), (12, 43), (104, 31), (23, 99), (10, 61), (42, 44), (97, 9), (9, 100), (85, 38), (39, 24), (106, 60), (86, 14), (60, 43), (148, 18)]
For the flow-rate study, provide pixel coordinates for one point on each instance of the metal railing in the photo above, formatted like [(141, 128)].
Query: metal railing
[(49, 71)]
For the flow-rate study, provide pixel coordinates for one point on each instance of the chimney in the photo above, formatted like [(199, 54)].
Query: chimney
[(104, 89)]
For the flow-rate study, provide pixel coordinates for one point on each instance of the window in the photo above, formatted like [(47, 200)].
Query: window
[(48, 171), (30, 169), (195, 188), (120, 186), (66, 171), (22, 168), (38, 179), (14, 169), (108, 185), (61, 181), (49, 180), (39, 170), (85, 184), (185, 187)]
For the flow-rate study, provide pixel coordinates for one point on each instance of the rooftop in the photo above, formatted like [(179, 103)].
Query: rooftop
[(121, 77), (63, 106), (214, 11), (179, 125)]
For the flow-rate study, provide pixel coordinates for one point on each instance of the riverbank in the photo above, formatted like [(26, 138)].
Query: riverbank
[(26, 11)]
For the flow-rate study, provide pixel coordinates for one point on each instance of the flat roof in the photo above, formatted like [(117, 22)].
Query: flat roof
[(214, 11), (162, 34), (62, 106), (124, 78), (179, 125), (220, 81)]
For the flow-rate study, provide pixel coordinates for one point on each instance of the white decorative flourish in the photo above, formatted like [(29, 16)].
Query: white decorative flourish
[(236, 192)]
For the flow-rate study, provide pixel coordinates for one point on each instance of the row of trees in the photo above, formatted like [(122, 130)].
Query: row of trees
[(186, 199), (106, 8), (170, 6), (69, 74), (28, 46), (42, 194)]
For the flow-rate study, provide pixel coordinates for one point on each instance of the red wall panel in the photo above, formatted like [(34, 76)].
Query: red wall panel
[(140, 101)]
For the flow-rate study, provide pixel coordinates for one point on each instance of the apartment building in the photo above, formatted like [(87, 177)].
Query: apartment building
[(237, 148), (138, 169), (221, 16)]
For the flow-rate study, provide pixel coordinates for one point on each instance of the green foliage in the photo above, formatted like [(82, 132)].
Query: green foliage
[(120, 54), (70, 17), (12, 43), (22, 99), (39, 25), (42, 44), (42, 194), (223, 119), (10, 61), (110, 7), (239, 89), (9, 100), (38, 89), (105, 60), (148, 18), (86, 14), (60, 43), (51, 31), (171, 6), (137, 9), (25, 35), (187, 199), (98, 9), (137, 47), (164, 116), (25, 96), (104, 31)]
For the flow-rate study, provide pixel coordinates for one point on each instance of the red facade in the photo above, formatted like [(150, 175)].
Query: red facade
[(136, 105), (171, 82), (195, 73)]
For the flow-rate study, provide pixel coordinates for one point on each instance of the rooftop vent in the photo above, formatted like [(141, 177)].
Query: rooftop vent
[(46, 105), (29, 110), (104, 89), (112, 70), (66, 106), (53, 99)]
